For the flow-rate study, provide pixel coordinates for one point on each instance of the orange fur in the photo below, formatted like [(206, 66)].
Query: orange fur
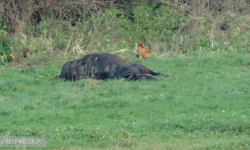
[(143, 51)]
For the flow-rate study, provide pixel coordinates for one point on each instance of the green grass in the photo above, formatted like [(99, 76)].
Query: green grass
[(205, 105)]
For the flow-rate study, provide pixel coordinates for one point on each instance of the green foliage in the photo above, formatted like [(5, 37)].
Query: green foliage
[(239, 42), (48, 35), (5, 46), (3, 33), (155, 20), (167, 27), (5, 51), (3, 28), (146, 21)]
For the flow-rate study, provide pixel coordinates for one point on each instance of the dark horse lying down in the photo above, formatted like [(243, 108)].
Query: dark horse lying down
[(105, 66)]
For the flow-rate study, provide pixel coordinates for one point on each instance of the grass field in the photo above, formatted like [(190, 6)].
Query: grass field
[(205, 105)]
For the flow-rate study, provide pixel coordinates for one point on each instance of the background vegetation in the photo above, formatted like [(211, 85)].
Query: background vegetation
[(170, 26), (205, 44)]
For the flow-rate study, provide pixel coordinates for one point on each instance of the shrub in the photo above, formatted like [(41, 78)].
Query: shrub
[(168, 26), (5, 48), (5, 51)]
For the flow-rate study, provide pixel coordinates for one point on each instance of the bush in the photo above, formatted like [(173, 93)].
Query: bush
[(149, 23), (168, 26), (111, 30), (5, 48), (5, 51)]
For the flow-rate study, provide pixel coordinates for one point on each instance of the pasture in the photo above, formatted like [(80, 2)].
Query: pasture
[(205, 105)]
